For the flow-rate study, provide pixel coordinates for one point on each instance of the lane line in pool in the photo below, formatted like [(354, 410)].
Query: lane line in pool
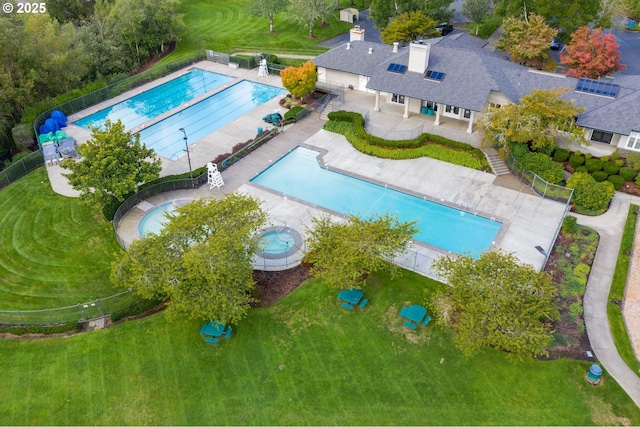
[(184, 106)]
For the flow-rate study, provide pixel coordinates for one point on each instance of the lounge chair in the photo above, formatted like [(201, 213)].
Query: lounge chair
[(363, 302), (410, 325), (346, 305), (227, 333), (211, 340)]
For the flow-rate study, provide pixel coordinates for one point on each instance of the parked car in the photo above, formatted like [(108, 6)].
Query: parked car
[(555, 44), (444, 28)]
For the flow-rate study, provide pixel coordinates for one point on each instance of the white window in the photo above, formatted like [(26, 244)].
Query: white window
[(494, 106), (398, 99), (633, 142)]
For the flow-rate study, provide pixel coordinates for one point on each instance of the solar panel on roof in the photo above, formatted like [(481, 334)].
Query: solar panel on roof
[(597, 87), (397, 68), (434, 75)]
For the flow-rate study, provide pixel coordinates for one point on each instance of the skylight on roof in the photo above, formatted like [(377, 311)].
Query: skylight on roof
[(397, 68), (597, 87), (434, 75)]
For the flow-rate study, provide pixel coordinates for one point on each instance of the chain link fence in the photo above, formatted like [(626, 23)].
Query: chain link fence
[(541, 187), (70, 314), (20, 168)]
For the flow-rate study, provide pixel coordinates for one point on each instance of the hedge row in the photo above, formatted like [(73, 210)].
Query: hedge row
[(351, 125)]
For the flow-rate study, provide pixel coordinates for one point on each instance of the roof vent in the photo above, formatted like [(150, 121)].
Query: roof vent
[(395, 47), (370, 50), (348, 46)]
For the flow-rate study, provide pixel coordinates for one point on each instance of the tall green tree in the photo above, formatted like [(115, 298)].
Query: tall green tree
[(344, 253), (476, 10), (201, 260), (409, 26), (591, 54), (527, 40), (536, 121), (268, 9), (383, 11), (74, 11), (114, 163), (495, 301), (306, 12), (567, 15)]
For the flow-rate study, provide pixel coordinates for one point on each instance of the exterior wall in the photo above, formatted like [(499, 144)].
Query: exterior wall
[(496, 98), (339, 77)]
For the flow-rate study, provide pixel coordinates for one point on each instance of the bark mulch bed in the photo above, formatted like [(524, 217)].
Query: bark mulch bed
[(272, 286)]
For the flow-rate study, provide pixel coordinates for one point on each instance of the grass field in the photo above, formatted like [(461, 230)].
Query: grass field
[(616, 293), (56, 251), (302, 361), (225, 25)]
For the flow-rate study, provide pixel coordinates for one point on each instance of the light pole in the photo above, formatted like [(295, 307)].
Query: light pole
[(186, 148)]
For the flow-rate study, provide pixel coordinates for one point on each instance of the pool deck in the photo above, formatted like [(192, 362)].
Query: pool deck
[(528, 220)]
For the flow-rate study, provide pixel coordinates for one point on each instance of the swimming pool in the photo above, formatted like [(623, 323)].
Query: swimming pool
[(155, 220), (299, 175), (153, 102), (205, 117)]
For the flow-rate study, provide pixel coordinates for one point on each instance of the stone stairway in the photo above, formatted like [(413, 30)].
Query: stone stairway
[(498, 165), (330, 107)]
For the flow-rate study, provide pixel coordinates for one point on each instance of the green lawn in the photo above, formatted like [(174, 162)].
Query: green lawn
[(225, 25), (618, 286), (56, 251), (303, 361)]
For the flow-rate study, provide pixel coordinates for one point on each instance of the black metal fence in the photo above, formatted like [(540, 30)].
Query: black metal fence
[(20, 168)]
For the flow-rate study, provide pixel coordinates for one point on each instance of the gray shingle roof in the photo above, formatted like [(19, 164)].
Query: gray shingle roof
[(472, 73)]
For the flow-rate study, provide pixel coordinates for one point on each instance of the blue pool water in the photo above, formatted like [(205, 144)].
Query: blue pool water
[(153, 102), (205, 117), (299, 175), (155, 220)]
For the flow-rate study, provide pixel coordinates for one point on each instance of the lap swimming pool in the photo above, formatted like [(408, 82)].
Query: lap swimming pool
[(205, 117), (299, 175), (154, 102)]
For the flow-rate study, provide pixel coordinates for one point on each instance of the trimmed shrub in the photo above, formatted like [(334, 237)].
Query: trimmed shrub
[(519, 150), (576, 160), (604, 159), (582, 169), (351, 125), (599, 176), (588, 156), (615, 155), (628, 174), (617, 181), (619, 162), (23, 136), (293, 111), (561, 155), (40, 329), (589, 194), (544, 167), (594, 165), (569, 224), (610, 168)]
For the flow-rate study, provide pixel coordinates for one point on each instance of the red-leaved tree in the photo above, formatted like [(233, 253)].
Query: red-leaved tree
[(591, 54)]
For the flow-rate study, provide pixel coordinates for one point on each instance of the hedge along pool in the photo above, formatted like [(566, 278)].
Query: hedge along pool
[(154, 102), (299, 175), (205, 117)]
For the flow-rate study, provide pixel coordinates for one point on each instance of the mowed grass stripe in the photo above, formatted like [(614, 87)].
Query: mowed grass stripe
[(57, 251), (337, 368)]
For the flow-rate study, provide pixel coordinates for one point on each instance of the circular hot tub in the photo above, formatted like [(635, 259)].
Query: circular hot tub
[(279, 242)]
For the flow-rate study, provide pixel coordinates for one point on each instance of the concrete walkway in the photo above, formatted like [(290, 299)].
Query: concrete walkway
[(610, 226)]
